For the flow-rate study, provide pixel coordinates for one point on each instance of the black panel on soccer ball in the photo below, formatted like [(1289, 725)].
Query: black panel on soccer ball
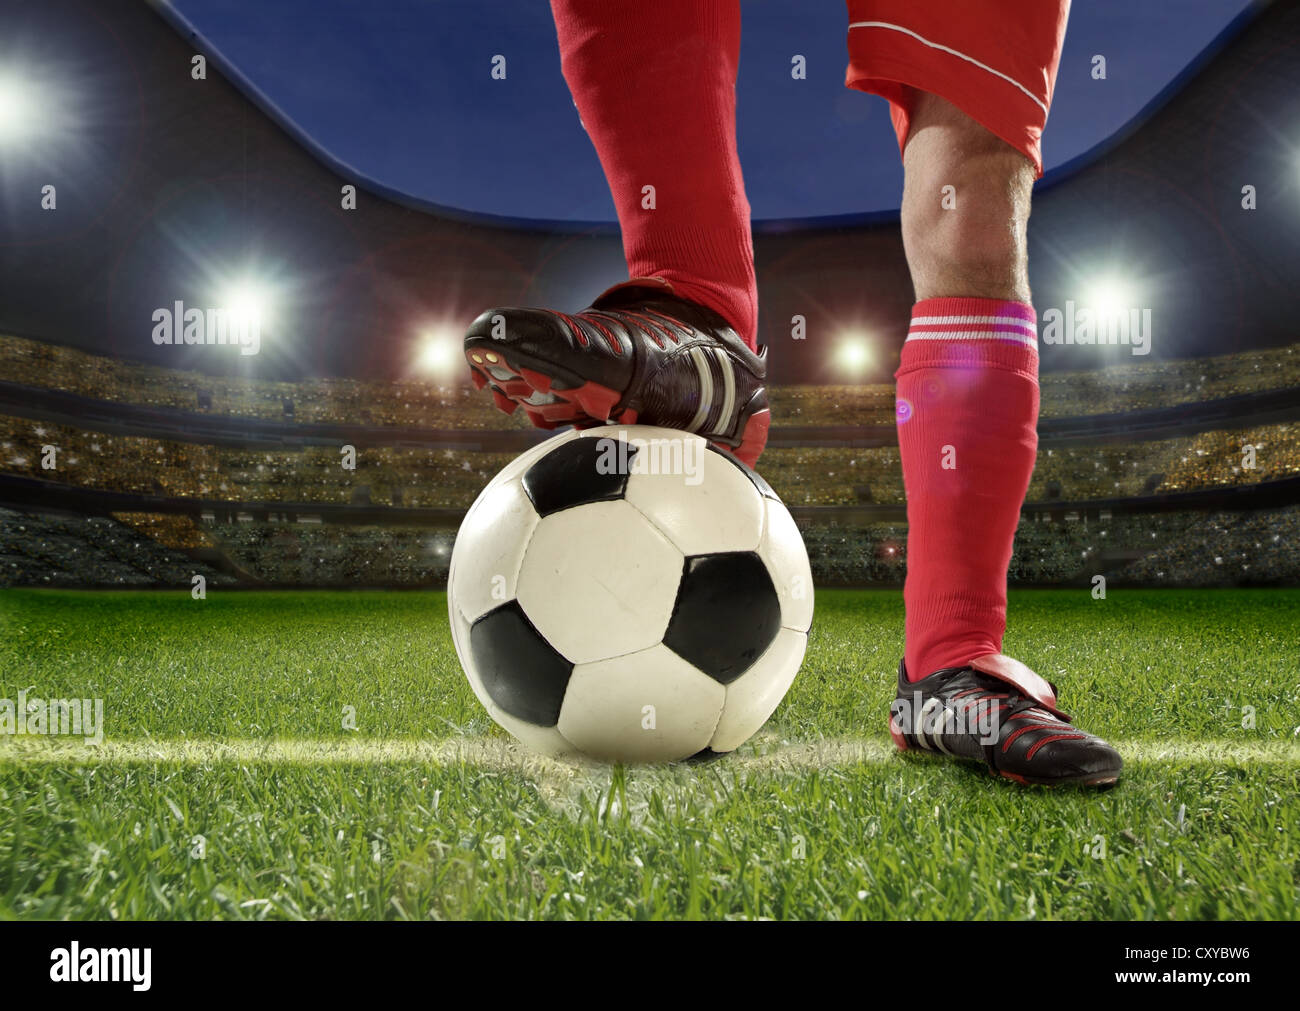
[(585, 470), (755, 478), (726, 615), (520, 670)]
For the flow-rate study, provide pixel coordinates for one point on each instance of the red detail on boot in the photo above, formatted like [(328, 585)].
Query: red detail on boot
[(754, 438), (896, 732), (657, 330), (1011, 738), (596, 400), (541, 383), (610, 339), (1013, 672), (503, 402), (539, 420), (578, 332), (1033, 749), (515, 389), (654, 84), (561, 411), (968, 408)]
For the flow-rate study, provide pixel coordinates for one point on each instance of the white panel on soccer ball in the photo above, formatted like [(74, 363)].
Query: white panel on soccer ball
[(754, 696), (460, 639), (651, 706), (543, 740), (599, 581), (783, 552), (489, 549), (703, 502)]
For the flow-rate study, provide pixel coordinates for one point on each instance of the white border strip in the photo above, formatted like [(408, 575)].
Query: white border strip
[(952, 52), (706, 389), (971, 335), (1028, 324), (499, 752)]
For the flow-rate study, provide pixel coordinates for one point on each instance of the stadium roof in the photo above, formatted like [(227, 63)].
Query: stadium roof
[(376, 88), (137, 186)]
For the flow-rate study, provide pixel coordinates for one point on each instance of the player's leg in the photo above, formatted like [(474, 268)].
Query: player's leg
[(968, 377), (969, 87), (965, 211), (654, 84), (655, 87)]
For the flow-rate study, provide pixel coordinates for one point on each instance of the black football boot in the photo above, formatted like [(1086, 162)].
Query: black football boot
[(638, 355), (997, 711)]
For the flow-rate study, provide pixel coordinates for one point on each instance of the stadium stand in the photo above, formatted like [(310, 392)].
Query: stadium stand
[(30, 369), (342, 538), (450, 479), (42, 549), (263, 498)]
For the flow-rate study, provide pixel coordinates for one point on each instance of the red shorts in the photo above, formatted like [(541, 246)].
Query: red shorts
[(993, 59)]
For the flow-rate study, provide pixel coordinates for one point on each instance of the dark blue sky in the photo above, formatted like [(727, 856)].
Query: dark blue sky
[(401, 91)]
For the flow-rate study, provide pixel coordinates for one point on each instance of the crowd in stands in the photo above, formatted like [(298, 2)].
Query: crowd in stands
[(91, 551), (381, 476), (148, 549), (410, 404), (168, 529), (421, 404), (303, 554), (865, 404), (1207, 460), (1226, 549), (834, 476), (1169, 549), (1164, 549), (1144, 384), (412, 478)]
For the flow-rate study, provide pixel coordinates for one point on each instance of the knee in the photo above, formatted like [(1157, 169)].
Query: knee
[(966, 201)]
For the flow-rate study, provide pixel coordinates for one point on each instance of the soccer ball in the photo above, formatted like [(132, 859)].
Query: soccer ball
[(631, 594)]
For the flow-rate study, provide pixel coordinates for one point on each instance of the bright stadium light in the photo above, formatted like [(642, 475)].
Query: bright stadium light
[(248, 300), (853, 353), (17, 110), (439, 352), (1109, 297)]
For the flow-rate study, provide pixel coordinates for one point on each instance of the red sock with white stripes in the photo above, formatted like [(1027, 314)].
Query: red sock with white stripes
[(967, 415), (655, 86)]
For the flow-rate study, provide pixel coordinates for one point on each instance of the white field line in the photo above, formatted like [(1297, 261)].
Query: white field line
[(499, 753)]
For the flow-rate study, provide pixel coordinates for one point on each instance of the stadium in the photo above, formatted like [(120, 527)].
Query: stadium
[(165, 474), (314, 500)]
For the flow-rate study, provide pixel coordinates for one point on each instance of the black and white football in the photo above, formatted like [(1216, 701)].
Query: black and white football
[(629, 593)]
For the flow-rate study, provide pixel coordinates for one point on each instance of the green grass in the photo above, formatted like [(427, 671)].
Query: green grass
[(224, 719)]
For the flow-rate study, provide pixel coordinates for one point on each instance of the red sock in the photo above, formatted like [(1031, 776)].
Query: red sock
[(655, 84), (967, 416)]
